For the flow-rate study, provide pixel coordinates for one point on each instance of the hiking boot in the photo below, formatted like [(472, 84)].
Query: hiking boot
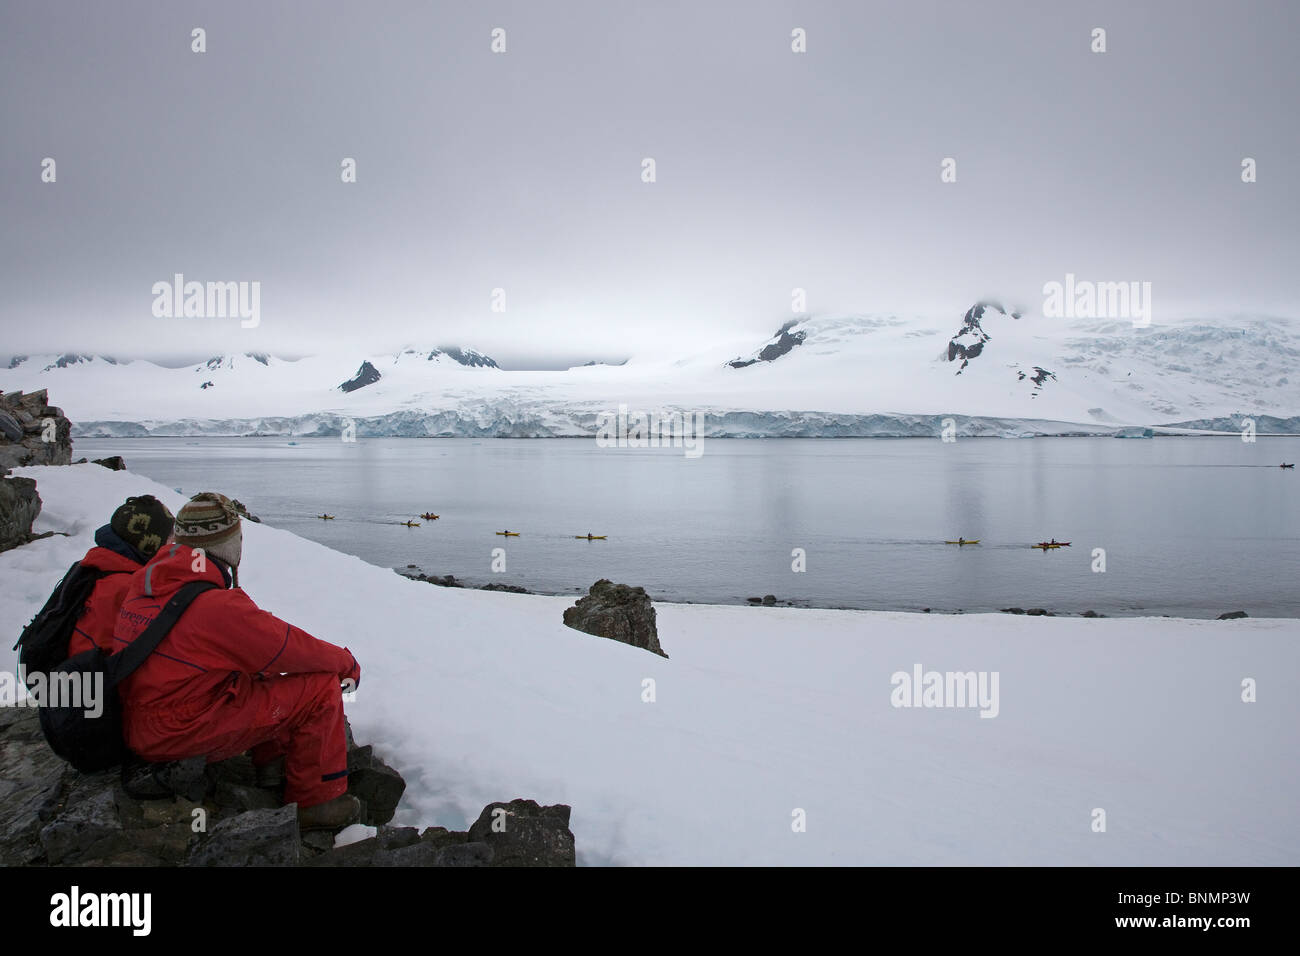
[(270, 775), (333, 814)]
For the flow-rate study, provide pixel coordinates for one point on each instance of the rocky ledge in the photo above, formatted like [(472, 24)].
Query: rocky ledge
[(32, 432), (449, 581), (215, 815)]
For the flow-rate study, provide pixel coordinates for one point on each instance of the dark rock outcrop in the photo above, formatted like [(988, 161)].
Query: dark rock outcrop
[(521, 833), (783, 342), (367, 374), (450, 581), (31, 777), (467, 357), (243, 511), (253, 838), (72, 358), (113, 463), (52, 815), (969, 341), (378, 786), (19, 507), (1040, 376), (1232, 615), (511, 588), (618, 612), (46, 434)]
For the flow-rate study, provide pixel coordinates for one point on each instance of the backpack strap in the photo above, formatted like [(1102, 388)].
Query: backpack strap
[(59, 598), (125, 662)]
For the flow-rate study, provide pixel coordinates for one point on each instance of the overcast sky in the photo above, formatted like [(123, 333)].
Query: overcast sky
[(523, 170)]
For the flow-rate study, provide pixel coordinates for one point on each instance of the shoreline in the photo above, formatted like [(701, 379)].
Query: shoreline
[(415, 573)]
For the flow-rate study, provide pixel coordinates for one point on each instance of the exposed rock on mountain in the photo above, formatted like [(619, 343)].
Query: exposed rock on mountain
[(367, 374), (782, 343), (467, 357), (1040, 376), (64, 361), (969, 341)]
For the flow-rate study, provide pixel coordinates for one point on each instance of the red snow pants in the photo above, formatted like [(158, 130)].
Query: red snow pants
[(297, 716)]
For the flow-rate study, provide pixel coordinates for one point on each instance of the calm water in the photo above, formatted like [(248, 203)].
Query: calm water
[(1190, 527)]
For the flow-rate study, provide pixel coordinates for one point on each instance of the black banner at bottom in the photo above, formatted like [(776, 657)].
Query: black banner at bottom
[(304, 905)]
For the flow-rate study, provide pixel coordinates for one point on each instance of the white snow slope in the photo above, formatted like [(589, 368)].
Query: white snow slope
[(761, 712), (1104, 374)]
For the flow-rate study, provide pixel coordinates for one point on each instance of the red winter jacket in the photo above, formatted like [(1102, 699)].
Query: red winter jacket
[(207, 663), (99, 617)]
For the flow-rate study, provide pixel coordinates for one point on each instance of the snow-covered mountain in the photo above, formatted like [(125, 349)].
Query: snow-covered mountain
[(994, 371)]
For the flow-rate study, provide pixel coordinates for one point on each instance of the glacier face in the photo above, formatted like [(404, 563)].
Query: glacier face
[(992, 371)]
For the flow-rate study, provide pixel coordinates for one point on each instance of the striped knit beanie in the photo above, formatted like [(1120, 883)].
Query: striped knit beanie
[(209, 521)]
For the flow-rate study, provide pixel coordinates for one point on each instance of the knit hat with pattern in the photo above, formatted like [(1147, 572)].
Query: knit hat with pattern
[(144, 523), (209, 521)]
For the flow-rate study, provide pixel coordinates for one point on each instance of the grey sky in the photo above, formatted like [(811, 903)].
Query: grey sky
[(523, 170)]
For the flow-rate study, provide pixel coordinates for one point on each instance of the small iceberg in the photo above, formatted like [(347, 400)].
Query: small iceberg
[(1134, 432)]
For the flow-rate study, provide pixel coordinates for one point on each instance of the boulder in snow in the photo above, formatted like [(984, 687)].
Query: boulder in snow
[(619, 612)]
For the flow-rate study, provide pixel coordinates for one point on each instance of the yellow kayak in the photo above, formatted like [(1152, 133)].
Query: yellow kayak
[(410, 524), (590, 537), (509, 534), (964, 541)]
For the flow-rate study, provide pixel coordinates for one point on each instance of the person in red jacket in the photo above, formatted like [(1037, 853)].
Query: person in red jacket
[(138, 528), (230, 677)]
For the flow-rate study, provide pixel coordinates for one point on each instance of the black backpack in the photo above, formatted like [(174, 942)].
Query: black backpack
[(43, 644), (90, 740)]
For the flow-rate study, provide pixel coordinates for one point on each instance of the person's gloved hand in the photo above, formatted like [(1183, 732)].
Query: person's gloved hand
[(354, 674)]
